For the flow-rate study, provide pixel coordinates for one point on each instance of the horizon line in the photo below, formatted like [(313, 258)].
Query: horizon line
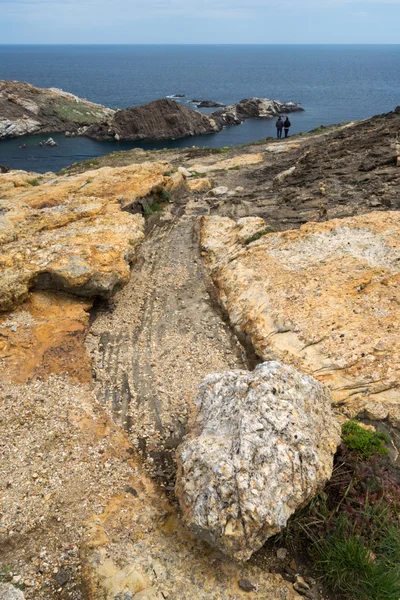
[(202, 44)]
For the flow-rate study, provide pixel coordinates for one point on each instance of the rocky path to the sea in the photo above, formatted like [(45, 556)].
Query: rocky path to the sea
[(88, 445), (161, 336)]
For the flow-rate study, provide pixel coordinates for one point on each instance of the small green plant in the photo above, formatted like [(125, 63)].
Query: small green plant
[(165, 196), (5, 573), (196, 174), (365, 443), (36, 181), (152, 208), (259, 235), (237, 168)]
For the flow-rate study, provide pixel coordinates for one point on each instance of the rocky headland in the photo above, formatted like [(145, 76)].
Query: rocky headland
[(26, 109), (181, 335)]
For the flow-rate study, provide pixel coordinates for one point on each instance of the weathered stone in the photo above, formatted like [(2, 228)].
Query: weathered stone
[(221, 190), (261, 447), (198, 186), (324, 298), (9, 592), (69, 233)]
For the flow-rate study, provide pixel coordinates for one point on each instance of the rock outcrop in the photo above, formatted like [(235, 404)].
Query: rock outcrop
[(159, 120), (9, 592), (69, 233), (262, 446), (253, 108), (323, 298), (26, 109)]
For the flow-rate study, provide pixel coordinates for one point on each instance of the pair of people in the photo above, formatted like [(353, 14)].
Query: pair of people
[(280, 125)]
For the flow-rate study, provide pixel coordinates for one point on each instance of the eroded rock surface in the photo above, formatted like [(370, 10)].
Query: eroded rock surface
[(261, 447), (138, 548), (69, 233), (323, 298), (26, 109)]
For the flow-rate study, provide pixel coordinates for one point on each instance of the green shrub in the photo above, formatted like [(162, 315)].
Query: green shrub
[(259, 234), (35, 181), (165, 196), (149, 210), (365, 443)]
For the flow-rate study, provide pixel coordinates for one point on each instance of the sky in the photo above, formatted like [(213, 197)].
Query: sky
[(199, 21)]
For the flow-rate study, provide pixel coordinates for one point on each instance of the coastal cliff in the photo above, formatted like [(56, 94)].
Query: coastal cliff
[(26, 109), (138, 297)]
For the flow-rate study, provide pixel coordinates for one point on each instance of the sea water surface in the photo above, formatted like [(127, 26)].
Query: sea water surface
[(333, 83)]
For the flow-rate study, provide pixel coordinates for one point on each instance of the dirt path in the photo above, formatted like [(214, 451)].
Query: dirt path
[(161, 337)]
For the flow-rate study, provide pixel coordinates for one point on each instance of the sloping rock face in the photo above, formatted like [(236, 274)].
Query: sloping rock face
[(324, 298), (69, 233), (159, 120), (253, 108), (26, 109), (261, 447)]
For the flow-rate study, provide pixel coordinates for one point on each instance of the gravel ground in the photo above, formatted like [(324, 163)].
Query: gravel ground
[(60, 461)]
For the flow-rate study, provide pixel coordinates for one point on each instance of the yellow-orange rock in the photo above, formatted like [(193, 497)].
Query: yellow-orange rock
[(45, 336), (198, 186), (69, 233), (241, 160), (324, 298)]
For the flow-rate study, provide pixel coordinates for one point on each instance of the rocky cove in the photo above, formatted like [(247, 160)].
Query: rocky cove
[(182, 335)]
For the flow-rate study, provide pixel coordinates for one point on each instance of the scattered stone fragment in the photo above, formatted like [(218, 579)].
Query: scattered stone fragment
[(219, 191), (246, 585), (62, 576), (281, 553)]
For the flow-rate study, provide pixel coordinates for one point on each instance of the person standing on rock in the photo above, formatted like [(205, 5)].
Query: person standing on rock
[(279, 127), (286, 126)]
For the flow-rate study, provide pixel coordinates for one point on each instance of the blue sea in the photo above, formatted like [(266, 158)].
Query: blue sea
[(334, 83)]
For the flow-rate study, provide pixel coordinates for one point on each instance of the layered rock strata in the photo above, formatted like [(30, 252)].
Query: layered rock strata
[(26, 109), (159, 120), (323, 298)]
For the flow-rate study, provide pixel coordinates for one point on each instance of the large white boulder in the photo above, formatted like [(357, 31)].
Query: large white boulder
[(261, 447)]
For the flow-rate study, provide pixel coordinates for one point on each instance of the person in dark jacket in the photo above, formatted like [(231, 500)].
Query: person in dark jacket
[(279, 127), (286, 125)]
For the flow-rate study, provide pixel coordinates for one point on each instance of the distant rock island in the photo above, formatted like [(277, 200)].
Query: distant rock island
[(26, 109)]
